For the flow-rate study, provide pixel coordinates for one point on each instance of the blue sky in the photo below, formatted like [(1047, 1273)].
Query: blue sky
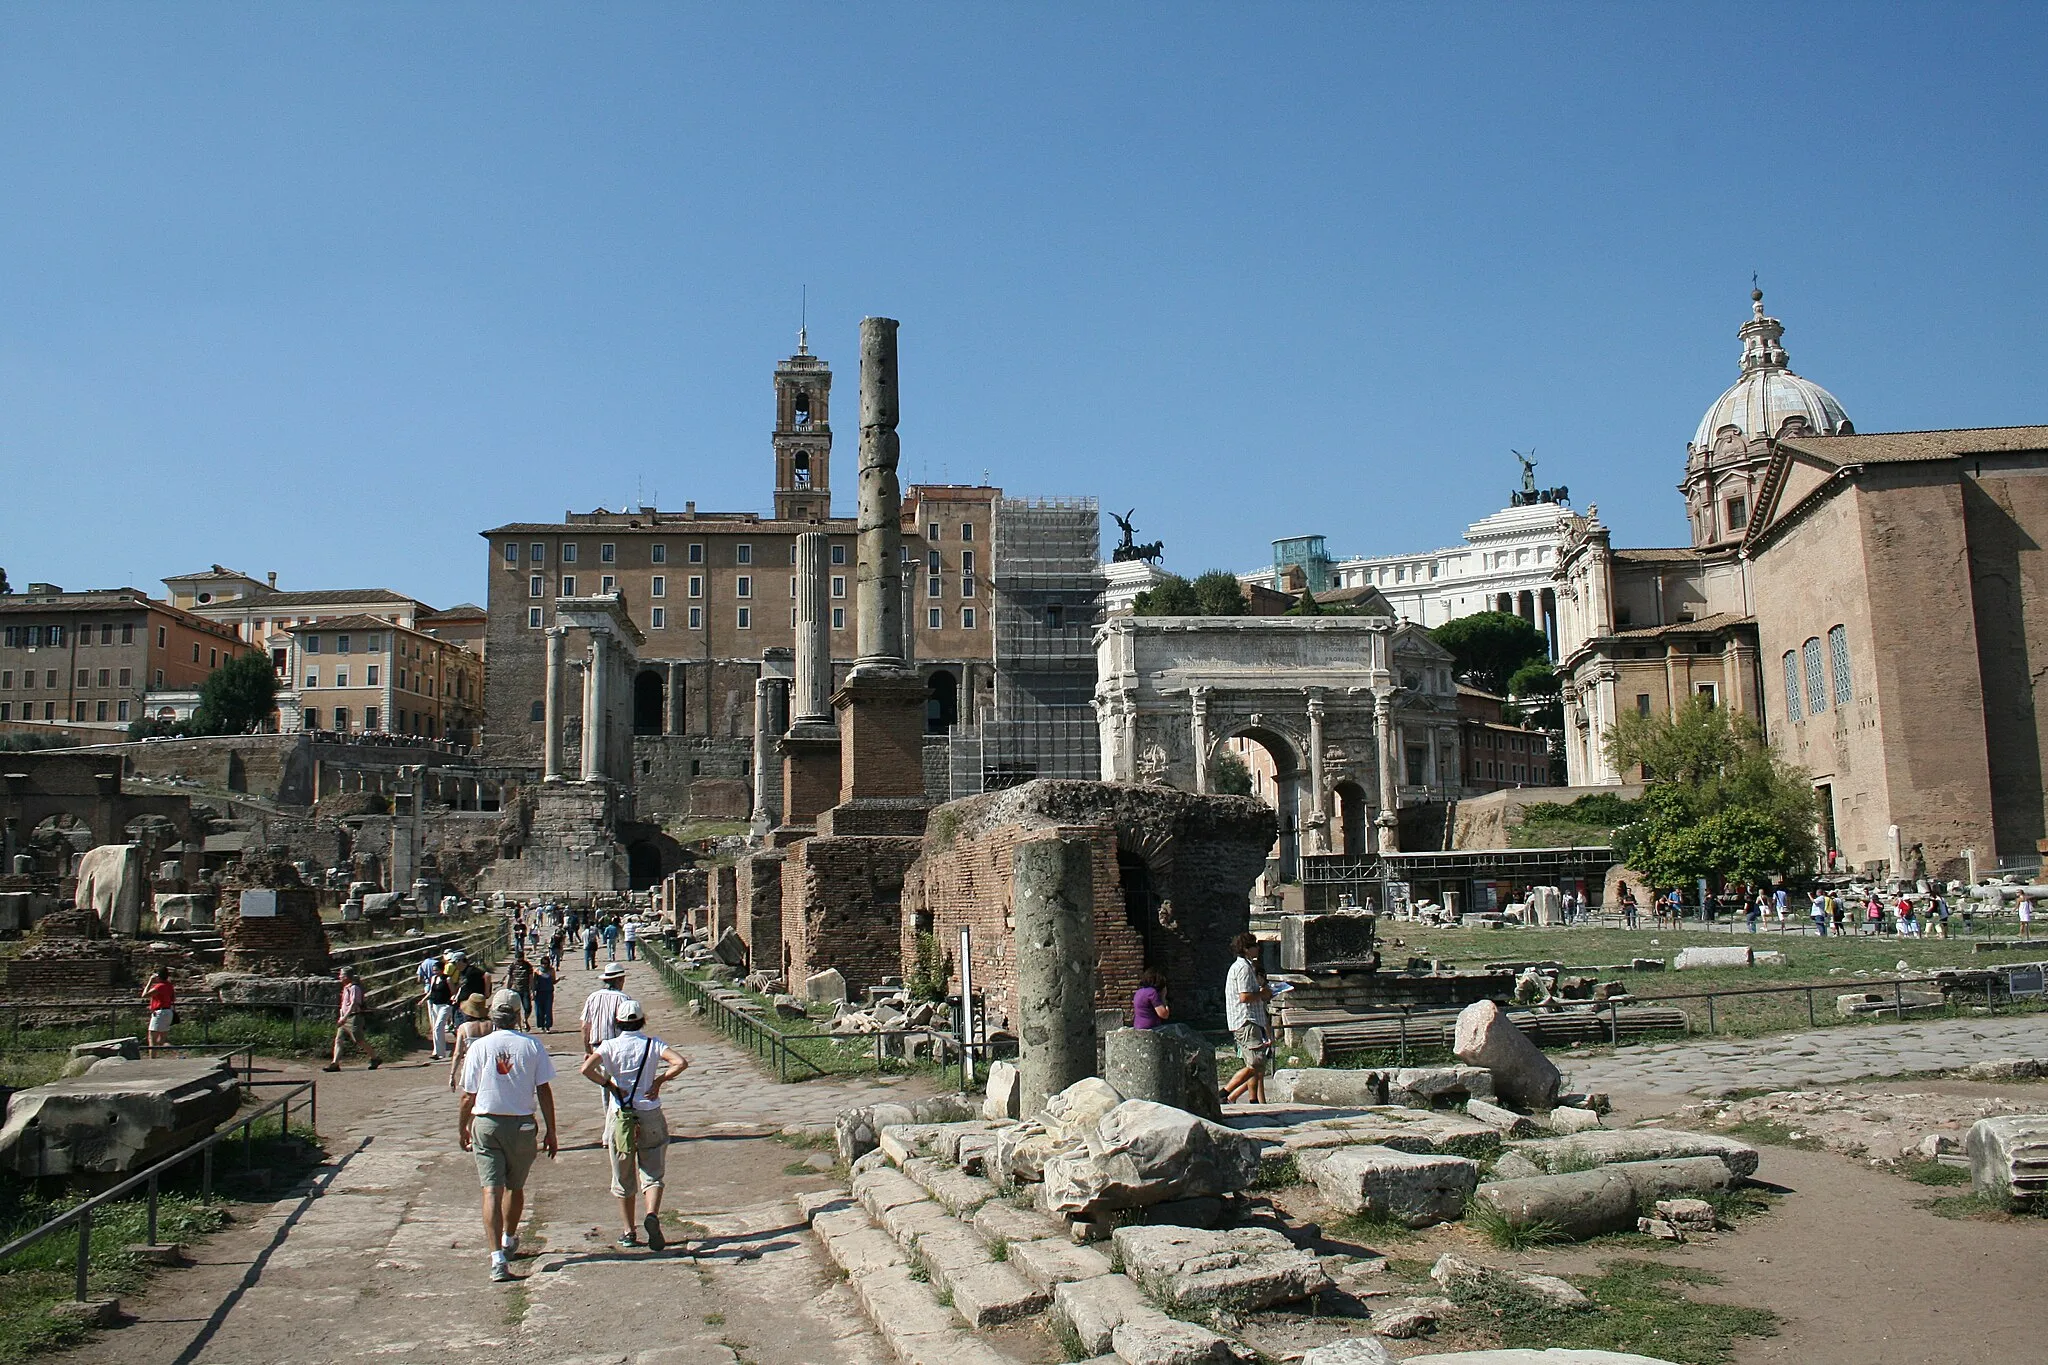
[(328, 289)]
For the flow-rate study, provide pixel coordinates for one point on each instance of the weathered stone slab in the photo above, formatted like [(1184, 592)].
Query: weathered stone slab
[(1451, 1268), (825, 988), (1506, 1122), (1413, 1189), (1523, 1077), (1091, 1309), (1356, 1350), (1076, 1110), (1011, 1224), (1004, 1094), (1239, 1270), (1143, 1153), (885, 1188), (1405, 1130), (1524, 1355), (1152, 1338), (1579, 1204), (1639, 1144), (2009, 1156), (118, 1117), (1692, 959), (961, 1194), (1051, 1261), (1310, 941), (856, 1132)]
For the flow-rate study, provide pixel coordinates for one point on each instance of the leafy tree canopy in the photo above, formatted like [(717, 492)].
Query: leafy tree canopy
[(1306, 605), (1215, 593), (1490, 647), (1719, 802), (236, 698), (1229, 776)]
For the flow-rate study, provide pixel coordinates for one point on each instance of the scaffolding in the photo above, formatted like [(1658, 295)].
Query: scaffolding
[(1047, 576)]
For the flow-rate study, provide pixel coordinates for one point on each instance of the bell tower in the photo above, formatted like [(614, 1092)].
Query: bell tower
[(803, 436)]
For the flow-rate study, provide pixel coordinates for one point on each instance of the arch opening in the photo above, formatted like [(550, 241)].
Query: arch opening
[(942, 702), (1276, 779), (649, 698)]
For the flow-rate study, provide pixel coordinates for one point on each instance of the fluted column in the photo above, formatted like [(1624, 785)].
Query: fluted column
[(551, 710), (1387, 740), (1319, 792), (813, 701), (1198, 733), (594, 707)]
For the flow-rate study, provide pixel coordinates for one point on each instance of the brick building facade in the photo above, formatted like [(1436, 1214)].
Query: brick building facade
[(90, 658)]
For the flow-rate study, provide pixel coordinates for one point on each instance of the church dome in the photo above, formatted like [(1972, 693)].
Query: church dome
[(1768, 394)]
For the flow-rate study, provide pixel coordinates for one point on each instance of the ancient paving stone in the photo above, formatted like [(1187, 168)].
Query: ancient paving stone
[(1055, 1260), (884, 1188), (1091, 1309), (1414, 1189), (1640, 1144), (1152, 1338), (1236, 1270), (1012, 1224), (961, 1194)]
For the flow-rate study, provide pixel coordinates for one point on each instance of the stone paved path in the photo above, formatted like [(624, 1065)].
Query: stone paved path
[(382, 1256), (1829, 1056)]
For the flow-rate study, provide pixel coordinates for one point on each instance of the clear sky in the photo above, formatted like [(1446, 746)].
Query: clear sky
[(326, 289)]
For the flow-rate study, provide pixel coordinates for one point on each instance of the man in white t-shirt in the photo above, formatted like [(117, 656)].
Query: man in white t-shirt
[(601, 1008), (1245, 994), (506, 1077), (632, 1067)]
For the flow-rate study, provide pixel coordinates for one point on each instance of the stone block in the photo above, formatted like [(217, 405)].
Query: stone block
[(119, 1117), (1639, 1144), (1143, 1153), (1239, 1270), (2009, 1156), (1405, 1130), (1402, 1321), (1503, 1121), (1566, 1119), (1381, 1183), (1051, 1261), (1001, 1099), (1011, 1224), (1092, 1309), (1692, 959), (825, 988), (88, 1312), (111, 883), (730, 949), (1522, 1076), (1362, 1350), (1451, 1269), (1152, 1338), (1166, 1066), (1074, 1111), (1579, 1205), (1311, 941)]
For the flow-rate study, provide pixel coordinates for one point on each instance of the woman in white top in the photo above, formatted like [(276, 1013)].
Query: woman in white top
[(633, 1066)]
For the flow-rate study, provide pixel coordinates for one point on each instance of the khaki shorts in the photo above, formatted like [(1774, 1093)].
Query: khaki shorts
[(1255, 1045), (505, 1147), (649, 1163), (351, 1027)]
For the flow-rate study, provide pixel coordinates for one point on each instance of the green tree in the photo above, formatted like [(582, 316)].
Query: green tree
[(1229, 776), (1306, 605), (1215, 593), (5, 588), (1220, 594), (236, 698), (1718, 801), (1488, 647)]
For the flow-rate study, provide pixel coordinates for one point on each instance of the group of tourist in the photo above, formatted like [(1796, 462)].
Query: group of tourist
[(1247, 998)]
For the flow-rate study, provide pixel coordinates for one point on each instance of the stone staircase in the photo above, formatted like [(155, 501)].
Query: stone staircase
[(952, 1271), (387, 967)]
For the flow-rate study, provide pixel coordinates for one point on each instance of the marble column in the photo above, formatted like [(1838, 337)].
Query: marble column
[(594, 707), (1387, 738), (678, 714), (1198, 734), (551, 710), (880, 568), (1319, 791), (812, 703)]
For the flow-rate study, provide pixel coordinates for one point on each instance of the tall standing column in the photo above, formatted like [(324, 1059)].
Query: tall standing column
[(551, 711), (766, 732), (1387, 740), (1198, 733), (813, 701), (1319, 792), (880, 570), (1054, 901), (594, 708)]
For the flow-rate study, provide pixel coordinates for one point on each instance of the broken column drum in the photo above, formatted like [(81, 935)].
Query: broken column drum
[(880, 569), (1054, 909)]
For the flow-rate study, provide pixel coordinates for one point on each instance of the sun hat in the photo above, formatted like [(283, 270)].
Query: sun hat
[(473, 1006), (615, 971), (629, 1012)]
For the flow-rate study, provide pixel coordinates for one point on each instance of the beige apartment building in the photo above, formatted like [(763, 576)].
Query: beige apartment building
[(91, 658), (366, 675)]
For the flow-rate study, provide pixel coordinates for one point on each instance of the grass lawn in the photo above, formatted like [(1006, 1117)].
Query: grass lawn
[(35, 1054)]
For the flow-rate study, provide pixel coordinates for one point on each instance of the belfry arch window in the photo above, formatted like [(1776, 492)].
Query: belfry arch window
[(801, 408), (800, 468)]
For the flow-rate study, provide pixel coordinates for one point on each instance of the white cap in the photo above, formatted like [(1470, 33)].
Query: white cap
[(629, 1012)]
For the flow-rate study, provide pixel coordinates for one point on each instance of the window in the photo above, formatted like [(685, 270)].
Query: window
[(839, 585), (50, 678), (99, 710), (370, 717), (932, 531), (657, 554), (606, 583), (84, 678), (127, 677), (533, 586), (967, 587), (839, 618), (746, 619), (1816, 685), (1838, 660), (696, 618), (159, 637), (696, 554), (340, 718), (608, 554), (838, 554), (370, 676), (1738, 513), (792, 587), (107, 634), (159, 678), (212, 657), (343, 643), (106, 676), (312, 645), (967, 561), (658, 586), (792, 552), (1792, 711), (742, 554), (931, 563), (1711, 691), (743, 586), (966, 530), (312, 677), (7, 710), (511, 554), (341, 677), (195, 651), (533, 618), (967, 618), (1055, 617), (792, 618), (931, 619), (78, 711), (568, 585), (569, 552), (1642, 703), (537, 712), (537, 552), (49, 710), (128, 635), (696, 586), (931, 586), (658, 618)]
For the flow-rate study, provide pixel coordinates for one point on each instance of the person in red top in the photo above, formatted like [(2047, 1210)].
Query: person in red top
[(349, 1025), (161, 999)]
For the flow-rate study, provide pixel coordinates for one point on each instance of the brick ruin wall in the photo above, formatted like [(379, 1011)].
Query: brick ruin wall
[(757, 889), (721, 899), (842, 902), (1172, 877)]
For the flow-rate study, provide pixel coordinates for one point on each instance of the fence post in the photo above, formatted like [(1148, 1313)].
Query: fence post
[(1710, 1012), (1810, 1020), (1898, 1000), (152, 1211), (84, 1251), (206, 1172), (1613, 1024), (298, 1008), (1404, 1036)]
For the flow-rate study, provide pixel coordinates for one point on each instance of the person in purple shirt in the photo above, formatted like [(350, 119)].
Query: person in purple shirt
[(1148, 1007)]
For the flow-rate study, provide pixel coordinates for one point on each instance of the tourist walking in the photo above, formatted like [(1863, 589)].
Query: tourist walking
[(507, 1078), (2026, 915), (589, 947), (348, 1021), (1755, 912), (160, 998), (601, 1008), (1818, 912), (611, 940), (1628, 907), (632, 1067), (1245, 996), (555, 947), (429, 968), (519, 981), (544, 978), (1148, 1005), (632, 937), (476, 1024), (441, 1016), (1873, 911)]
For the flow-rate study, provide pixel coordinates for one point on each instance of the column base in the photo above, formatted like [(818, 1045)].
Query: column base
[(810, 772), (881, 724)]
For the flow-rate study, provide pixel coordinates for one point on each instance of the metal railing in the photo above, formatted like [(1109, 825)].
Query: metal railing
[(751, 1033), (247, 1052), (2022, 980), (205, 1012), (81, 1215)]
